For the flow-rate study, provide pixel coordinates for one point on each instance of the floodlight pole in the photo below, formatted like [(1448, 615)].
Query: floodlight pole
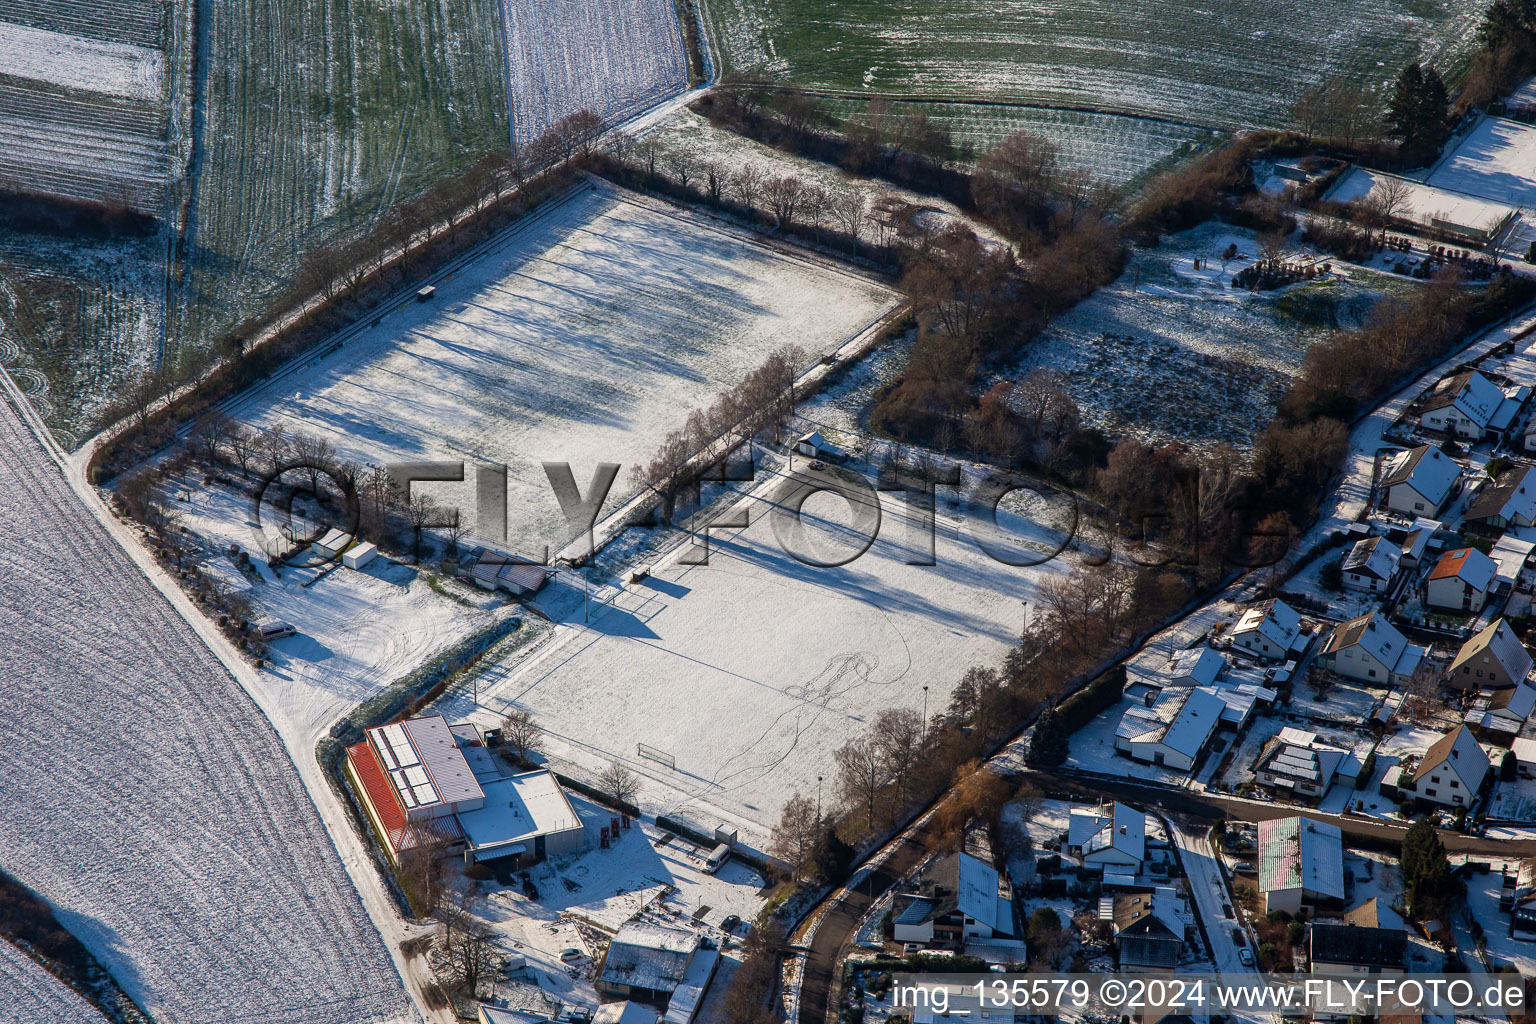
[(818, 800), (925, 710)]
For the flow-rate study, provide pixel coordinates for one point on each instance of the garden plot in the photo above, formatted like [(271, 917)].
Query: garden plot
[(1237, 66), (1495, 160), (752, 670), (1170, 353), (585, 335), (148, 800), (1111, 148), (614, 59), (30, 995)]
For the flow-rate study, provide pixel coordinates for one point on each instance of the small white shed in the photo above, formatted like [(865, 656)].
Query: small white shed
[(331, 544), (360, 555)]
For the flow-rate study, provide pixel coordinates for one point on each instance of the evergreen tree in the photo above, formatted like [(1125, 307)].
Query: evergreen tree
[(834, 858), (1426, 871), (1048, 746), (1419, 113)]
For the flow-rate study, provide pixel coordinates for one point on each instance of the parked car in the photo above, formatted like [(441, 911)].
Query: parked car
[(268, 630), (818, 464), (1245, 867), (570, 954), (911, 947), (1246, 956), (730, 923)]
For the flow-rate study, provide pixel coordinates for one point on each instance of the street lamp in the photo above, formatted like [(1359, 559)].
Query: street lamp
[(818, 800), (925, 710)]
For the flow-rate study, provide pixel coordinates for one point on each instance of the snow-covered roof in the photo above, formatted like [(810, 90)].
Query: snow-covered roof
[(1510, 555), (648, 956), (1514, 400), (1275, 620), (334, 540), (1426, 469), (518, 809), (1460, 749), (1124, 830), (1473, 395), (1418, 536), (1512, 494), (625, 1013), (977, 892), (1499, 642), (1426, 205), (423, 762), (1083, 824), (1376, 636), (1296, 755), (1373, 556), (1196, 720), (1300, 853), (1200, 664), (1525, 749), (1469, 565), (1502, 710)]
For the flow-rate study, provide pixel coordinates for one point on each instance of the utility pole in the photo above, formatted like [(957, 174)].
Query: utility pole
[(818, 800), (925, 711)]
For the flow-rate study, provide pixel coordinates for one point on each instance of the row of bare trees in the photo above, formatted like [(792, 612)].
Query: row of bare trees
[(764, 399)]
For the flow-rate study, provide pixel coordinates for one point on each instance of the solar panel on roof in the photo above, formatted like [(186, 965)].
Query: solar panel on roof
[(387, 756), (425, 793), (416, 775)]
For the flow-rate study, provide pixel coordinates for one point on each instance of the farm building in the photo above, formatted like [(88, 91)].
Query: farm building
[(492, 570), (1493, 659), (814, 446), (1371, 650), (1301, 865), (1341, 950), (1116, 842), (1371, 564), (1270, 630), (955, 900), (648, 962), (1418, 481), (1499, 716), (1472, 407), (1297, 762), (1441, 213), (1148, 927), (1460, 581), (1451, 772), (423, 780)]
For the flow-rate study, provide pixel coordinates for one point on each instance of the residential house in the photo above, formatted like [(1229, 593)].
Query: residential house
[(1418, 481), (1148, 927), (1115, 842), (1493, 659), (1369, 649), (647, 961), (1419, 542), (1197, 666), (1371, 565), (955, 900), (1344, 950), (625, 1013), (1463, 405), (1301, 865), (423, 781), (1296, 761), (1451, 772), (1508, 501), (1500, 715), (1460, 581), (1270, 630), (1175, 726), (1511, 559)]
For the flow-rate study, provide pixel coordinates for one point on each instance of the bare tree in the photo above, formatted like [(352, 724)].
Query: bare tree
[(898, 739), (421, 511), (520, 734), (681, 165), (211, 432), (798, 833), (848, 211), (783, 195), (619, 782), (244, 445), (716, 178), (747, 185), (859, 775), (274, 447), (467, 941)]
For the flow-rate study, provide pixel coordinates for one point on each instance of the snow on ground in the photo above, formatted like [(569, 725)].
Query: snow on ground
[(358, 630), (752, 670), (1513, 801), (1503, 948), (1171, 352), (30, 995), (614, 59), (585, 335), (145, 796), (1093, 750), (1495, 160), (116, 69)]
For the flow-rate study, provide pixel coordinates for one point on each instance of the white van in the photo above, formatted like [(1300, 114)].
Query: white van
[(717, 858)]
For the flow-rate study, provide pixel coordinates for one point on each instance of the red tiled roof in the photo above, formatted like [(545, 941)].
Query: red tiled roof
[(1450, 564), (378, 792)]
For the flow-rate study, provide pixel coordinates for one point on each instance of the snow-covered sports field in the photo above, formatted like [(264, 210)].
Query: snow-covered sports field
[(1496, 160), (613, 58), (752, 671), (145, 796), (583, 335), (30, 995)]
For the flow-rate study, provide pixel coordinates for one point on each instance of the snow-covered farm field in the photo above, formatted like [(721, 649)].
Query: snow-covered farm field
[(30, 995), (614, 59), (752, 670), (1111, 148), (1237, 66), (1168, 352), (148, 800), (1495, 160), (584, 335)]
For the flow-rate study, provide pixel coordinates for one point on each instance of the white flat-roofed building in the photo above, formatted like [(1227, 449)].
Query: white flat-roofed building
[(1467, 219), (332, 544), (523, 815)]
